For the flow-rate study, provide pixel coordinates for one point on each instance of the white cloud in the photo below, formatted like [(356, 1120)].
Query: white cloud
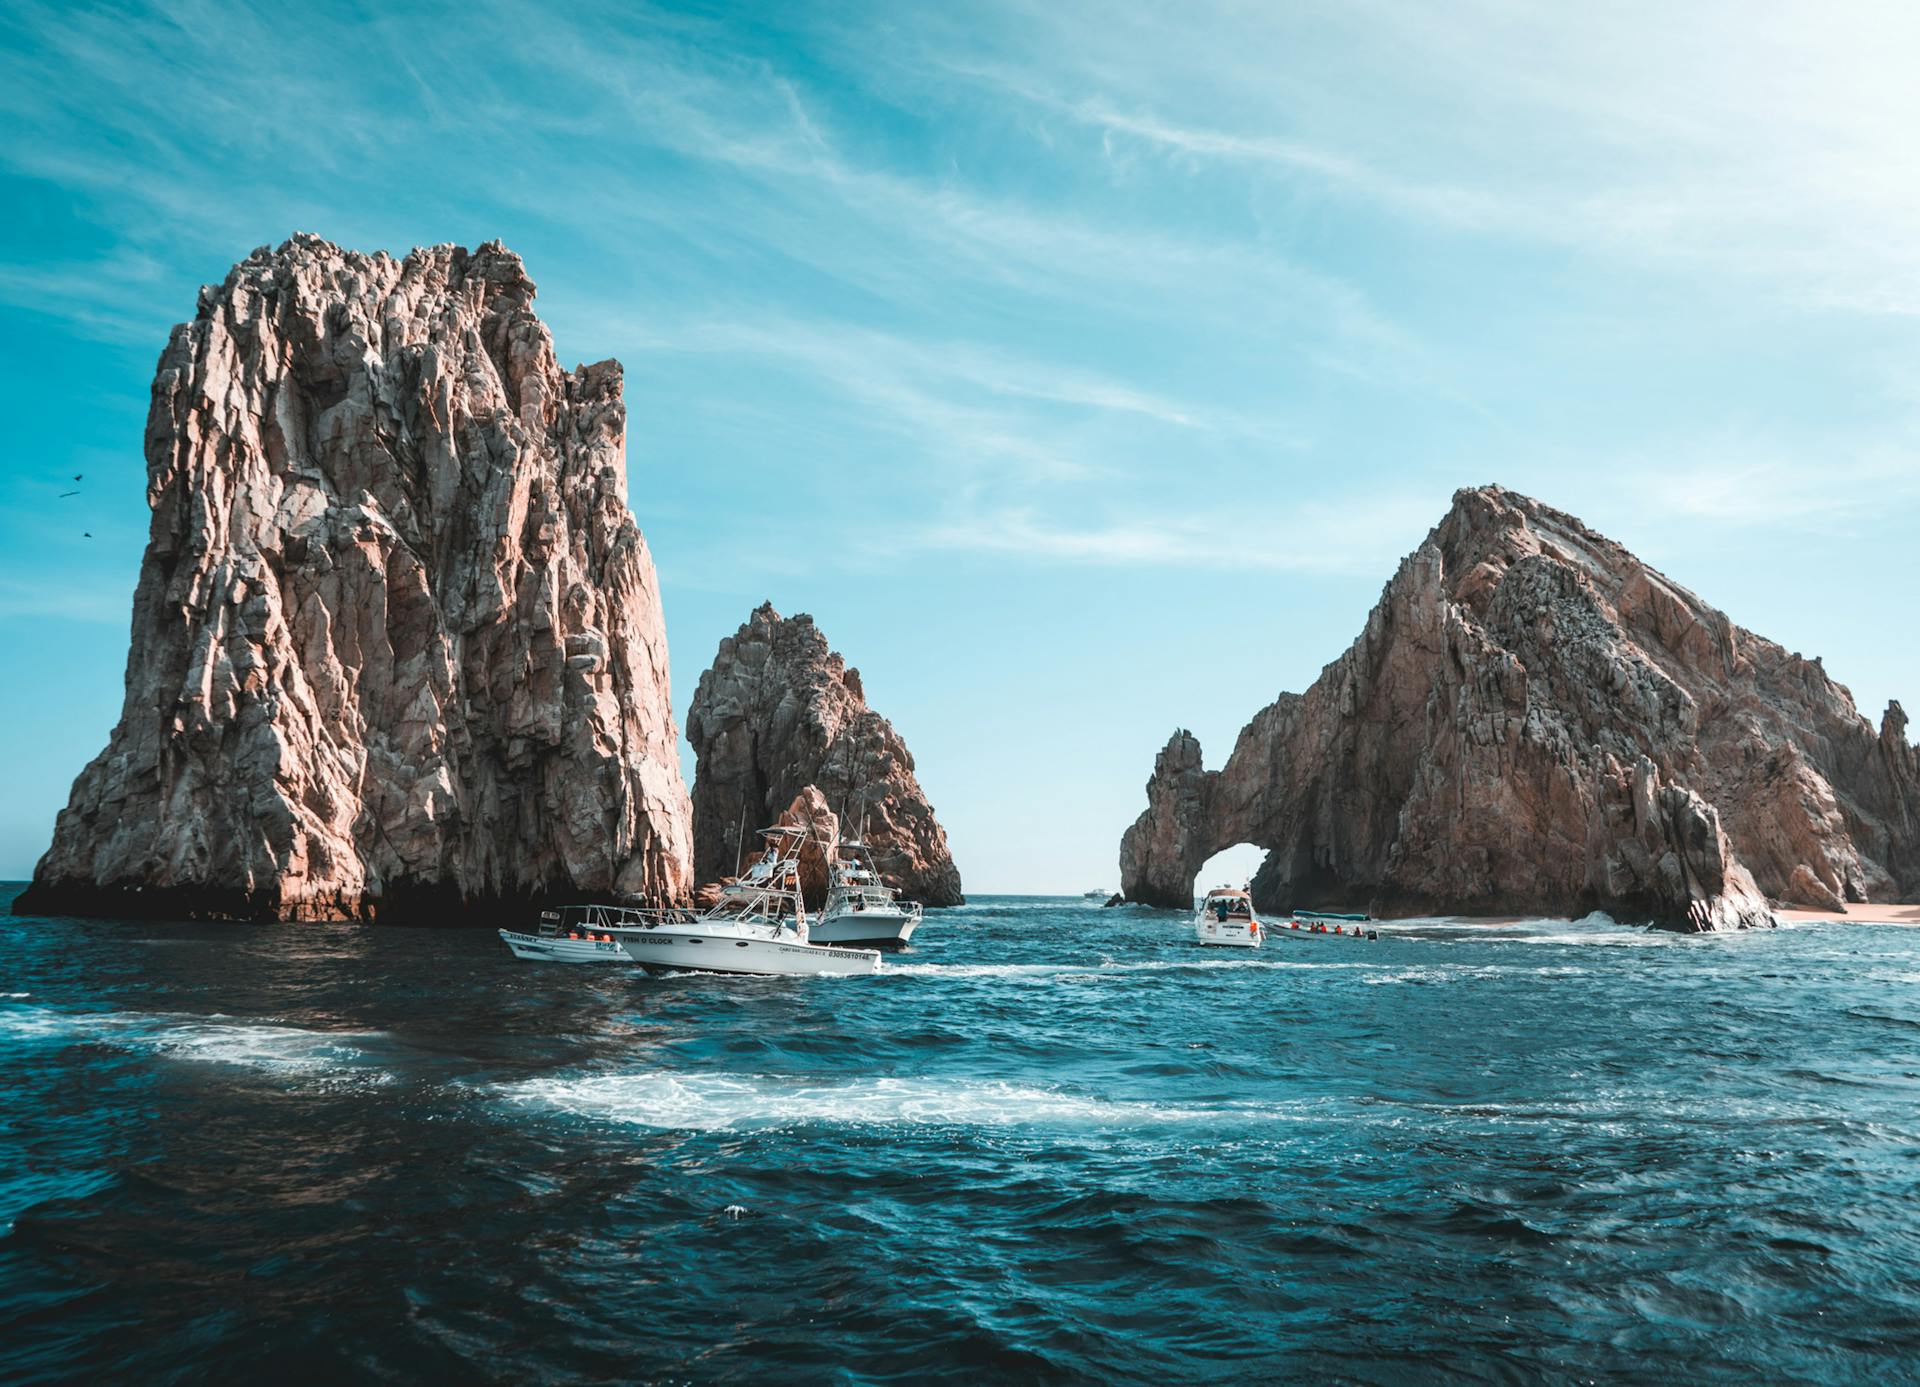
[(1365, 535), (1769, 144), (1749, 488)]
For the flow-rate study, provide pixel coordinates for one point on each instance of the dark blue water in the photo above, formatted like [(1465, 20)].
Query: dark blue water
[(1053, 1144)]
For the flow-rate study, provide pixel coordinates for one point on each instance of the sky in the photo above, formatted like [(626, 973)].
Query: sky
[(1062, 355)]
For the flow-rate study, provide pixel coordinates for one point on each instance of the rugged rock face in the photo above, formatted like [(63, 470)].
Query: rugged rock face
[(1535, 721), (778, 712), (397, 643)]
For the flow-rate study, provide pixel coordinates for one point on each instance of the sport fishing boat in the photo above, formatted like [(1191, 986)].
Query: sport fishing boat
[(1226, 918), (759, 925), (860, 908), (1095, 895)]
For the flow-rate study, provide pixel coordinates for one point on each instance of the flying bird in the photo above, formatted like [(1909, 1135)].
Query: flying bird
[(78, 475), (86, 534)]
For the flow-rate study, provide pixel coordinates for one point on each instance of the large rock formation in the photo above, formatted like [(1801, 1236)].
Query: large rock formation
[(779, 711), (397, 643), (1535, 721)]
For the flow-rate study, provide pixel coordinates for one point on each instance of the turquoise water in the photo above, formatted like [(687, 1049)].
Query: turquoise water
[(1051, 1143)]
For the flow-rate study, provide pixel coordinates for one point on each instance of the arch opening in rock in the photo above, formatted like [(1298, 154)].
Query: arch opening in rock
[(1234, 866)]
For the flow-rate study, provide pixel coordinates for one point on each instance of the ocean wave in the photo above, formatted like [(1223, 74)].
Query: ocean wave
[(1595, 929), (274, 1048), (43, 1023), (1101, 969), (1444, 973), (726, 1102)]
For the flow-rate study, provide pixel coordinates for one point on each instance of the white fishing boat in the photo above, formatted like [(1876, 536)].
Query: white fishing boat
[(1226, 919), (860, 908), (1095, 895), (576, 934), (759, 925)]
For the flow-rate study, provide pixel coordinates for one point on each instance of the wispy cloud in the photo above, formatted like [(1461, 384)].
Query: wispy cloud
[(1749, 488), (1362, 536), (1769, 146), (857, 357)]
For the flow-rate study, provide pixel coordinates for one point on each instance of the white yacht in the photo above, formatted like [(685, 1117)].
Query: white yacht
[(759, 925), (1226, 918), (860, 908)]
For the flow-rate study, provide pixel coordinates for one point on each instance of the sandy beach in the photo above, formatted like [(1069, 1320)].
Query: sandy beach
[(1864, 914)]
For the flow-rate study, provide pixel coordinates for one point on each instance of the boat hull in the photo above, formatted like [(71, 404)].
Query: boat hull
[(1228, 934), (541, 948), (695, 952), (878, 929)]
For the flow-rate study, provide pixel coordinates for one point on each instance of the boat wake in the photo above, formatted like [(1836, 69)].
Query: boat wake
[(268, 1047), (748, 1102), (1104, 968), (1597, 928), (288, 1050)]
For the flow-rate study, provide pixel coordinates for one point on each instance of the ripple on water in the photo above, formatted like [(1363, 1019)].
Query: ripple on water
[(1048, 1143), (278, 1049), (731, 1102)]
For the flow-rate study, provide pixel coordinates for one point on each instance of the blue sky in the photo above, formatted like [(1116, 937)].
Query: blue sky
[(1053, 349)]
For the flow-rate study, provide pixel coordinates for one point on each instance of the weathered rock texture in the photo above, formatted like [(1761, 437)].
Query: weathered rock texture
[(1535, 721), (778, 712), (397, 643)]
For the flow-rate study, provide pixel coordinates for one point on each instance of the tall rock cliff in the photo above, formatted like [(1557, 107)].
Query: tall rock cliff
[(779, 711), (1535, 721), (397, 642)]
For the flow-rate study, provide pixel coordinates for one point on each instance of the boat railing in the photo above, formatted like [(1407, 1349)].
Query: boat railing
[(595, 918)]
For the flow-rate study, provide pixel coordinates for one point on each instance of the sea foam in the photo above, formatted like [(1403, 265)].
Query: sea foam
[(721, 1102), (272, 1048)]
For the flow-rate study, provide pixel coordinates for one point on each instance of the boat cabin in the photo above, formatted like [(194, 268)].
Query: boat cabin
[(1225, 903), (854, 885)]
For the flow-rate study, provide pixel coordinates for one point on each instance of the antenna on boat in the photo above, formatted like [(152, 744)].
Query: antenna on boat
[(740, 840)]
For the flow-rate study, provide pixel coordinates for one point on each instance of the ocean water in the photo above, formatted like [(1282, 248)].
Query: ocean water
[(1050, 1144)]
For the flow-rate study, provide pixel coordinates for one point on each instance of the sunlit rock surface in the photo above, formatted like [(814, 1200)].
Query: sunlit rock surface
[(780, 711), (1534, 721), (397, 642)]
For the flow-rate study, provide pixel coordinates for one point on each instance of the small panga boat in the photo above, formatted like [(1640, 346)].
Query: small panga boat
[(574, 934), (1318, 922)]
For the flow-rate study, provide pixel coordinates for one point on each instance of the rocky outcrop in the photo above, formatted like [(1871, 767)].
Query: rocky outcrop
[(1535, 721), (397, 642), (780, 711)]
